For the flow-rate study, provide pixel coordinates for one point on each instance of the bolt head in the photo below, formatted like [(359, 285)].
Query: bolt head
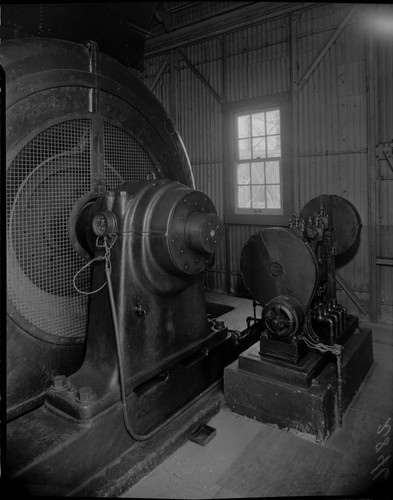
[(85, 394), (59, 382)]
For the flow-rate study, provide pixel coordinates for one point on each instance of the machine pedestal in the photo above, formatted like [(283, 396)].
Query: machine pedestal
[(300, 396), (50, 453)]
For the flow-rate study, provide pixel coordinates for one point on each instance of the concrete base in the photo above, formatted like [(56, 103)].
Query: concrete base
[(290, 404)]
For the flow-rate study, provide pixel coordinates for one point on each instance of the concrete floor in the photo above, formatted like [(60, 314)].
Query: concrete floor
[(247, 458)]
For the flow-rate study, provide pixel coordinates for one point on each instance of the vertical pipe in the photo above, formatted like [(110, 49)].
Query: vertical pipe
[(226, 162), (372, 139), (224, 67), (294, 110), (228, 259)]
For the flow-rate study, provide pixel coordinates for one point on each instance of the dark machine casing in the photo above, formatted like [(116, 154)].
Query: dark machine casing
[(88, 143)]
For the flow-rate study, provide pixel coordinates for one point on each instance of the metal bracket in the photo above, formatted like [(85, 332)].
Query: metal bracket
[(385, 152), (93, 68), (97, 138)]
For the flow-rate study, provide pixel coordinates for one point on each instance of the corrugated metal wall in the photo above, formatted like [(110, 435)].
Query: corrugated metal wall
[(385, 171), (331, 140), (332, 117)]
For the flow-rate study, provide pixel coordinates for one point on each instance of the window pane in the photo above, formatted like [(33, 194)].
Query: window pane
[(273, 122), (258, 197), (243, 173), (258, 124), (273, 146), (244, 126), (243, 197), (244, 149), (259, 147), (272, 172), (273, 196), (257, 173)]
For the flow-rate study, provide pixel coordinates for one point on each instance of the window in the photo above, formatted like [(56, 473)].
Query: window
[(258, 180), (258, 162)]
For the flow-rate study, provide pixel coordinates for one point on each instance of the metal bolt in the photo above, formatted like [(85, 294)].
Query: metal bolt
[(85, 394), (59, 382)]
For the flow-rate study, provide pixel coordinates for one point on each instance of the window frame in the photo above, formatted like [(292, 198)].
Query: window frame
[(232, 213), (239, 161)]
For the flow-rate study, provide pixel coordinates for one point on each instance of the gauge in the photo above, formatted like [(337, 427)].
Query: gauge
[(104, 223)]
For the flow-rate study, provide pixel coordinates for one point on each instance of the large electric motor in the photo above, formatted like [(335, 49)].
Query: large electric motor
[(291, 273), (108, 336), (78, 124)]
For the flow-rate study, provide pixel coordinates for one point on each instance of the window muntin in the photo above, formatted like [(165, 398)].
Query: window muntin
[(258, 162)]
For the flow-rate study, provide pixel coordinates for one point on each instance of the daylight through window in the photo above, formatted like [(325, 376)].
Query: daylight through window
[(258, 165)]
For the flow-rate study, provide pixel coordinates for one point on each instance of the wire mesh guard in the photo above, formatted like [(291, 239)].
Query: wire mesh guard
[(44, 181)]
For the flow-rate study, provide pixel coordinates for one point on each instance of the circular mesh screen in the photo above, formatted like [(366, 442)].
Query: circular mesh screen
[(44, 181), (125, 159)]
